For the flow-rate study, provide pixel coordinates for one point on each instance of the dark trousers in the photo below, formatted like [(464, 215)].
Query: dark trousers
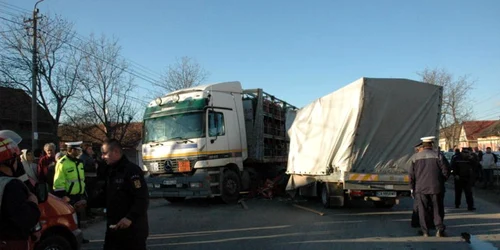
[(90, 183), (488, 177), (74, 199), (441, 208), (465, 186), (50, 179), (123, 239), (424, 202)]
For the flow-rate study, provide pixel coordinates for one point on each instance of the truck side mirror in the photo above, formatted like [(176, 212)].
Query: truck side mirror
[(42, 192)]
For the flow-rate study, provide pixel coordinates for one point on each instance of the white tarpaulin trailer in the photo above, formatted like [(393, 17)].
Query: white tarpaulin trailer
[(368, 126)]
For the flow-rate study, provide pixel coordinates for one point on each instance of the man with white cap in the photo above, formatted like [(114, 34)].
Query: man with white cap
[(69, 179), (427, 176)]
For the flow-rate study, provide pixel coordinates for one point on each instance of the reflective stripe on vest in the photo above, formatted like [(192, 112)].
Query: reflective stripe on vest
[(69, 176)]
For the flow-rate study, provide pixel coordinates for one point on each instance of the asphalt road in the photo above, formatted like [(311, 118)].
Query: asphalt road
[(277, 224)]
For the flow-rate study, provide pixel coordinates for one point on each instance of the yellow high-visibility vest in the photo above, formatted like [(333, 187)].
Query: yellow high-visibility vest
[(69, 177)]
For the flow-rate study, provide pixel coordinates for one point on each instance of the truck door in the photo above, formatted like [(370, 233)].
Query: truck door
[(217, 137)]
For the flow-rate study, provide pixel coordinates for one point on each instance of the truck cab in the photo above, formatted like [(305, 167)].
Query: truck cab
[(194, 143)]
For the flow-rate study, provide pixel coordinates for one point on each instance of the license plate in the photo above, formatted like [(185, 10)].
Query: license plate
[(184, 166), (154, 167), (157, 186), (386, 194), (170, 182)]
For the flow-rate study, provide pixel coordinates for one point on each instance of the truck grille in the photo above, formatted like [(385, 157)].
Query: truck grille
[(168, 166)]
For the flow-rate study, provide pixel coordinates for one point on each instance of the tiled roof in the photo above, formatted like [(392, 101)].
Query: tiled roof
[(473, 129), (493, 130)]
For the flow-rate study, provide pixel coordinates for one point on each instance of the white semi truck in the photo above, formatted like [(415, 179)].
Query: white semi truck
[(355, 143), (213, 140)]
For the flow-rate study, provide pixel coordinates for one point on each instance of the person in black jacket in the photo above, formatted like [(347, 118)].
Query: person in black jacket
[(19, 212), (427, 176), (465, 168), (126, 201)]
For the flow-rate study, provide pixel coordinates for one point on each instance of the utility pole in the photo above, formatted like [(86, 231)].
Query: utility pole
[(34, 76)]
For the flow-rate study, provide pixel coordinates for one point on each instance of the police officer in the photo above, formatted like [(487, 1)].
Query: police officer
[(464, 168), (19, 207), (69, 178), (127, 201), (427, 176)]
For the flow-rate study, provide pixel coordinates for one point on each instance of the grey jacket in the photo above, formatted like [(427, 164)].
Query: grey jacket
[(428, 172)]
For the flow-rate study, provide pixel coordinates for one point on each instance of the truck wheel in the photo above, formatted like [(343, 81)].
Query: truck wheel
[(325, 196), (384, 204), (175, 199), (230, 190), (53, 242)]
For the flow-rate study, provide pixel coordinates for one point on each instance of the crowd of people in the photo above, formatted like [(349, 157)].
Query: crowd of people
[(430, 170), (78, 177)]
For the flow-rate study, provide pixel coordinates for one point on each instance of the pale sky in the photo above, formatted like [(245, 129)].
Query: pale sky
[(298, 50)]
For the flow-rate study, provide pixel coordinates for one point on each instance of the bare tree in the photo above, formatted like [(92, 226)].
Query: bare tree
[(185, 73), (455, 107), (58, 62), (104, 109)]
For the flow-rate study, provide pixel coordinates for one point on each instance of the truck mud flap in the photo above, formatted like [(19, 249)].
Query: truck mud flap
[(332, 194)]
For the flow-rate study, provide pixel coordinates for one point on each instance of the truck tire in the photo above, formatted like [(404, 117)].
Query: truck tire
[(53, 242), (325, 196), (175, 199), (230, 190)]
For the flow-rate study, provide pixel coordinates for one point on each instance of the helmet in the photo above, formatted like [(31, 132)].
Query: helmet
[(9, 148)]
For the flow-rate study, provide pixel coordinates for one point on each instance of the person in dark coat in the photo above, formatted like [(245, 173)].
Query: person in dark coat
[(19, 212), (126, 201), (46, 166), (465, 168), (427, 176), (415, 221)]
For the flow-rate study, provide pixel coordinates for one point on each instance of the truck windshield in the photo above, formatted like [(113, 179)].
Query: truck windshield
[(174, 127)]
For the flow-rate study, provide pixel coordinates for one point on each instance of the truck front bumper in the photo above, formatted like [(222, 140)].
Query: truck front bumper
[(197, 185)]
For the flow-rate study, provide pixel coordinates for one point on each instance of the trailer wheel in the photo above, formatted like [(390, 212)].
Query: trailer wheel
[(175, 199), (231, 185), (325, 196)]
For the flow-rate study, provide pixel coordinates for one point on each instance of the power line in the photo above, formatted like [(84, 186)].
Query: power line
[(137, 100), (491, 109), (8, 31), (14, 7), (8, 13), (489, 98), (486, 116), (150, 80), (107, 62), (141, 72), (137, 65), (9, 20)]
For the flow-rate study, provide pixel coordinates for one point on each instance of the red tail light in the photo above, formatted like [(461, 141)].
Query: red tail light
[(357, 193)]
